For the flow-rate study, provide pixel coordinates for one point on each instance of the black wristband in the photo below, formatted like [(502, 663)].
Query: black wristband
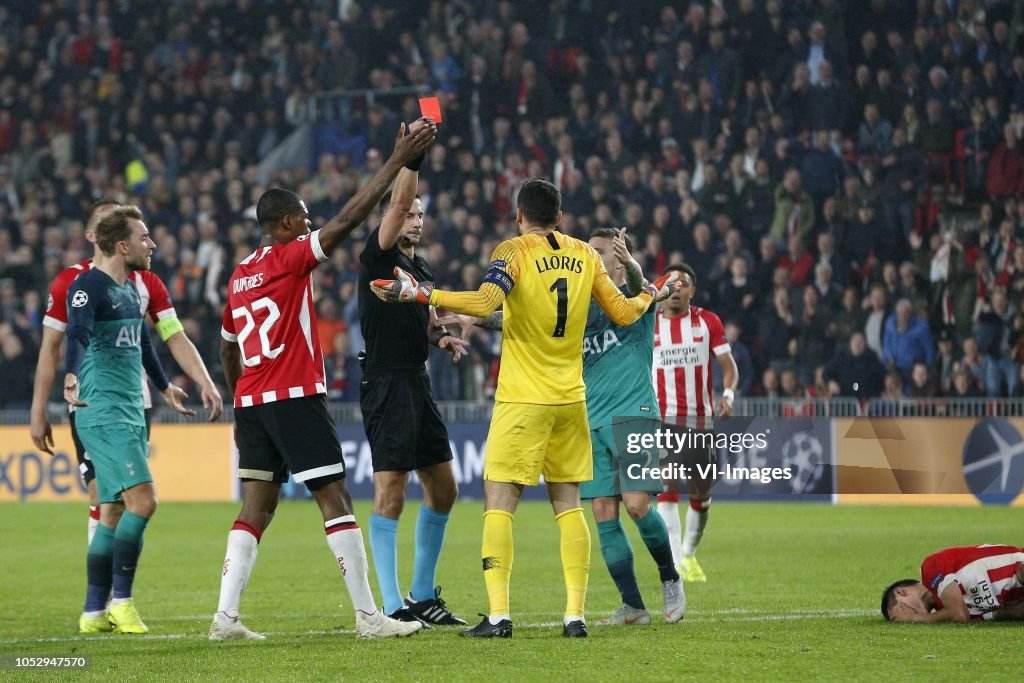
[(415, 164)]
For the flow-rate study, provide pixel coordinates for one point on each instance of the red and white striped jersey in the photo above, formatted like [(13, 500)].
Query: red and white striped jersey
[(153, 295), (683, 347), (270, 316), (985, 573)]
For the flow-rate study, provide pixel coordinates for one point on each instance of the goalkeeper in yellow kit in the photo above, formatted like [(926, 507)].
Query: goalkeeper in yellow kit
[(545, 280)]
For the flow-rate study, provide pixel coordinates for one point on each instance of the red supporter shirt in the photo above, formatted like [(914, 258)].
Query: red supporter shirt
[(683, 348), (270, 316), (986, 575), (153, 295)]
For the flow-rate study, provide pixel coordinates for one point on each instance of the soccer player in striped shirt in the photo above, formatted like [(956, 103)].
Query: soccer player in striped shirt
[(274, 366), (961, 584), (685, 339)]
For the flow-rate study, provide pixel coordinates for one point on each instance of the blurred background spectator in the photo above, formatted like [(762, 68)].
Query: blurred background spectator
[(845, 177)]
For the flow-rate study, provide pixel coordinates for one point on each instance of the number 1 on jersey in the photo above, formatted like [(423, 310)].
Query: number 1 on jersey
[(561, 286)]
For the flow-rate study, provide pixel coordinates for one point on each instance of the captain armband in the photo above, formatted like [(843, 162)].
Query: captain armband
[(168, 327)]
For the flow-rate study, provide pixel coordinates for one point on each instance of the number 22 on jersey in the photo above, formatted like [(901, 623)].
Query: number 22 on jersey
[(254, 352)]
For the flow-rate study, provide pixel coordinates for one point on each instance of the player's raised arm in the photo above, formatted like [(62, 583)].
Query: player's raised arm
[(623, 310), (498, 282), (408, 149), (402, 195), (635, 279)]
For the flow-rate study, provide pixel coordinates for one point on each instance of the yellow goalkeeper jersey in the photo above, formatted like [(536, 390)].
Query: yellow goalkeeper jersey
[(548, 280)]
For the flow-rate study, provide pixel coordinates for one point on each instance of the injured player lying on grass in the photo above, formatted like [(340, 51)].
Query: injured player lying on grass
[(961, 584)]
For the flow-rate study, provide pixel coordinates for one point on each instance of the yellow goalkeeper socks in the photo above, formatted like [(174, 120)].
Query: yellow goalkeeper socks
[(497, 559), (575, 545)]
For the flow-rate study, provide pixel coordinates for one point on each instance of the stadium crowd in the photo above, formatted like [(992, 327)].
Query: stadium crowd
[(845, 178)]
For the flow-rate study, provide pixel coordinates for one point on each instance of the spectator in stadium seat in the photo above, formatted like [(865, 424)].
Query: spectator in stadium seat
[(822, 168), (1006, 167), (777, 326), (856, 369), (963, 386), (906, 340), (904, 175), (874, 133), (922, 384), (744, 361), (797, 261), (828, 100), (994, 331), (978, 142), (794, 209), (944, 365)]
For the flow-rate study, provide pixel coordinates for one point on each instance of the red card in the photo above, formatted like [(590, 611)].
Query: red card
[(429, 106)]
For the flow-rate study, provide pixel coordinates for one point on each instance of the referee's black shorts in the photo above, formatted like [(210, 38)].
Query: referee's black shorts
[(402, 423)]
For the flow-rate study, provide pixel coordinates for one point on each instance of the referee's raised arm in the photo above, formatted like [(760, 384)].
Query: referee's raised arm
[(407, 149)]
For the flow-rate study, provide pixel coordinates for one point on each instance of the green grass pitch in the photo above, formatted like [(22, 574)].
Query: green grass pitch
[(792, 594)]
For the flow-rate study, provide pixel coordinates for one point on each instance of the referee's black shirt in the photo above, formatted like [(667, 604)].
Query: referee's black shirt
[(395, 334)]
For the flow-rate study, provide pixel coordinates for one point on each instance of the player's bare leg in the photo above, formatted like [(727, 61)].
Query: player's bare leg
[(259, 502), (500, 502), (439, 493), (575, 547), (346, 542)]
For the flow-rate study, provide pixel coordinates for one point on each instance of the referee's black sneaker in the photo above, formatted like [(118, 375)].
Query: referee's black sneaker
[(433, 611), (485, 629), (405, 614), (575, 629)]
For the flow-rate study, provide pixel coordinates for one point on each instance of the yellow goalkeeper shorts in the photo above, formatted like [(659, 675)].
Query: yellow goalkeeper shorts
[(526, 440)]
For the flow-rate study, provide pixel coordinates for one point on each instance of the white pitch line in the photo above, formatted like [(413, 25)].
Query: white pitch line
[(727, 616)]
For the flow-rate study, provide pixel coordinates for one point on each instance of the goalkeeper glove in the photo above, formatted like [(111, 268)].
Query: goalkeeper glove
[(402, 290), (664, 286)]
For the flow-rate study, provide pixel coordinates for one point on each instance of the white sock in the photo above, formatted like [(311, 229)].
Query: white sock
[(696, 520), (346, 542), (670, 513), (238, 563), (94, 519), (568, 620), (95, 615), (496, 619)]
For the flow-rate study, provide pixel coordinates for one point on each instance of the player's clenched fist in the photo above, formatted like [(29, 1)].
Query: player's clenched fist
[(664, 286), (403, 290)]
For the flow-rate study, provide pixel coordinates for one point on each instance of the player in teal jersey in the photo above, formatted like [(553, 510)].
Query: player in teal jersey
[(107, 346), (620, 401)]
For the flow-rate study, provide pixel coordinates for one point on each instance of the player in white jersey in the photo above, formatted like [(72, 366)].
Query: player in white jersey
[(685, 338), (961, 584)]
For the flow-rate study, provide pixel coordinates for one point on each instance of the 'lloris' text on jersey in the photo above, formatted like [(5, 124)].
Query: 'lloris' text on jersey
[(570, 263)]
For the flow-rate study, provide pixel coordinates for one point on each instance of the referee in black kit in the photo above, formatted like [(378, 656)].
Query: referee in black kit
[(401, 419)]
